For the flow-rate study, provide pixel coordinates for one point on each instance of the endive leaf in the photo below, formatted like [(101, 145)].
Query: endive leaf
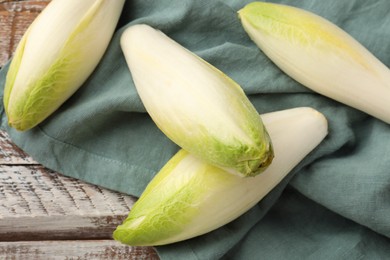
[(320, 55), (197, 106), (190, 197), (13, 69), (56, 55)]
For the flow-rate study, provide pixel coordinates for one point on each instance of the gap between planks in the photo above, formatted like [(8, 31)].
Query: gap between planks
[(36, 203), (45, 215), (85, 249)]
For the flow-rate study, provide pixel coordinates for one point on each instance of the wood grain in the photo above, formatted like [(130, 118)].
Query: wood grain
[(11, 154), (36, 191), (37, 203), (84, 249)]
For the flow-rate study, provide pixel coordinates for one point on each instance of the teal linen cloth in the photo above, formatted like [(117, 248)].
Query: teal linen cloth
[(334, 205)]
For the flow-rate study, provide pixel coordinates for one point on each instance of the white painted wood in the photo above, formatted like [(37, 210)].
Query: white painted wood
[(45, 215), (85, 249), (33, 191), (10, 153), (38, 203)]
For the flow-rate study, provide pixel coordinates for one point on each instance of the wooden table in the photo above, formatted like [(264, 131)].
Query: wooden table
[(45, 215)]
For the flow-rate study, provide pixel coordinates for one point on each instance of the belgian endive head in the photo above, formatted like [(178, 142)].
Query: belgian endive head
[(56, 55), (196, 105), (320, 55)]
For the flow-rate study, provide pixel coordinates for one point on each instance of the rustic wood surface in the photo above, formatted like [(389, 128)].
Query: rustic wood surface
[(85, 249), (43, 214)]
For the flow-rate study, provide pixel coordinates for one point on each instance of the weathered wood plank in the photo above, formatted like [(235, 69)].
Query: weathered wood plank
[(36, 191), (59, 227), (36, 203), (39, 204), (85, 249), (10, 153)]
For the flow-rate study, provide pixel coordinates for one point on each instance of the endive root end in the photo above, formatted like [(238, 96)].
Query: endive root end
[(269, 156), (268, 161)]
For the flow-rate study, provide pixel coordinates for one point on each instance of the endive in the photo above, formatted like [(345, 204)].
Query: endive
[(190, 197), (197, 106), (320, 55), (56, 55)]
